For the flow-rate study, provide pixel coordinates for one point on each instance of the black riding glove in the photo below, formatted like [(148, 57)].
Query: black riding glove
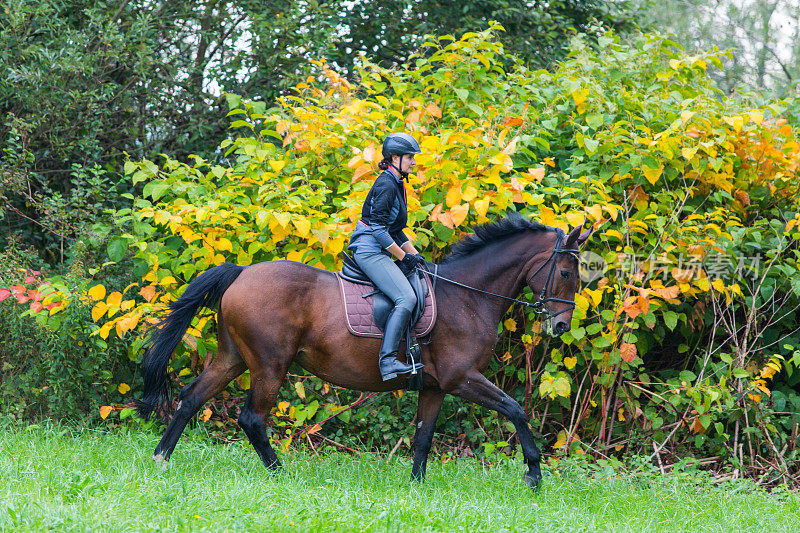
[(409, 263)]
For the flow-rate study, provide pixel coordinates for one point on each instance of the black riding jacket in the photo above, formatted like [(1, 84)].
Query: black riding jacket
[(383, 217)]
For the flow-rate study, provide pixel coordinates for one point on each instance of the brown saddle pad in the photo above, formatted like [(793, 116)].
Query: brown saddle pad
[(358, 310)]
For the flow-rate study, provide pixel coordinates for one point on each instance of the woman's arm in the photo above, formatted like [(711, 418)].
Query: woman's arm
[(396, 251), (409, 248)]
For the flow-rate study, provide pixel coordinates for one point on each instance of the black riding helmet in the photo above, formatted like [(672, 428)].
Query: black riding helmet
[(399, 144)]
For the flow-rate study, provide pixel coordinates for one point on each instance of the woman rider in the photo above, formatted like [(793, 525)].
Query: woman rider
[(379, 236)]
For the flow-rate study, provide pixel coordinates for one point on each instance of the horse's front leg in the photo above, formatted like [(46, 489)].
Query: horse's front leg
[(428, 407), (476, 388)]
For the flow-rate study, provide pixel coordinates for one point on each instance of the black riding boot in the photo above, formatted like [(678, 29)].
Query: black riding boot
[(391, 367)]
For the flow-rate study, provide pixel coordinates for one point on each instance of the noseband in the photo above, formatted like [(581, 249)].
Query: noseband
[(545, 296)]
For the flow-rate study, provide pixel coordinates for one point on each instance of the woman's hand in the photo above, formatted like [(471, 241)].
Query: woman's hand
[(409, 263)]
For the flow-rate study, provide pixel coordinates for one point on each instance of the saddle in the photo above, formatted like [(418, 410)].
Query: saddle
[(366, 308)]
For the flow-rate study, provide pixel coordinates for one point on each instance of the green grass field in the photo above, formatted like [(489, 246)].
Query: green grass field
[(53, 478)]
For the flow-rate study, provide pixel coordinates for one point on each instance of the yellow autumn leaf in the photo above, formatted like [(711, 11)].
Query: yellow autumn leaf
[(481, 206), (99, 310), (576, 218), (295, 255), (206, 416), (168, 280), (283, 218), (595, 211), (510, 324), (114, 299), (561, 386), (277, 166), (453, 197), (612, 211), (334, 245), (703, 284), (581, 302), (105, 411), (561, 440), (579, 95), (503, 160), (756, 116), (652, 174), (303, 226), (570, 362), (469, 194), (300, 389), (123, 388), (224, 244), (459, 213), (148, 293), (105, 329), (547, 216), (363, 170), (98, 292), (595, 294)]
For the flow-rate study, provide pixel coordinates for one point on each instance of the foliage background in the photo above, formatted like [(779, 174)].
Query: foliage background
[(688, 350)]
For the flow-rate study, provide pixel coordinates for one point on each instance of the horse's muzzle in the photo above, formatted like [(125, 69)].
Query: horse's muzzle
[(561, 328)]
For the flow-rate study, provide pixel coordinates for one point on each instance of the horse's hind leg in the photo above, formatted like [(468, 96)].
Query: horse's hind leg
[(264, 386), (226, 366)]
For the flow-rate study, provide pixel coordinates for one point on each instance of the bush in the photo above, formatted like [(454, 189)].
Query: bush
[(677, 339), (51, 364)]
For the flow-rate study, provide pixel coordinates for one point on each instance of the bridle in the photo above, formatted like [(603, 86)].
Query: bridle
[(545, 297)]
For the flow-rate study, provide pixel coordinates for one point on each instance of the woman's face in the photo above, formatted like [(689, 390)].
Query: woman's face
[(408, 164)]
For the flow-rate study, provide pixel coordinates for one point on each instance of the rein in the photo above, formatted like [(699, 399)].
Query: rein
[(544, 297)]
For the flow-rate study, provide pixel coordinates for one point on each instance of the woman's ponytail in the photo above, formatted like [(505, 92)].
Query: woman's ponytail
[(384, 165)]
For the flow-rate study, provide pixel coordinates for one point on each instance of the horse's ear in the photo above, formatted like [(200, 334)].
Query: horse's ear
[(573, 237), (585, 236)]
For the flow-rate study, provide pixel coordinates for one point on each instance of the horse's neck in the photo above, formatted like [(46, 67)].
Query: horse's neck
[(498, 268)]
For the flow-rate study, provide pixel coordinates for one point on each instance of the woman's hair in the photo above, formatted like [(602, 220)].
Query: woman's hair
[(384, 165)]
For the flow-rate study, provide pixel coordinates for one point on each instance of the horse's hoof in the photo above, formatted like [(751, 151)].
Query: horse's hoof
[(532, 481)]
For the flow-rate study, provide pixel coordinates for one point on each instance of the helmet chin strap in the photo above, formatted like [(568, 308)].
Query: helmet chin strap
[(403, 175)]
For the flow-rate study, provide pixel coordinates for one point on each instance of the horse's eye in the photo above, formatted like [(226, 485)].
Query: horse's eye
[(565, 274)]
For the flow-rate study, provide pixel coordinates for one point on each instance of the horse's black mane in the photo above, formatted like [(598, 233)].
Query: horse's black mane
[(486, 234)]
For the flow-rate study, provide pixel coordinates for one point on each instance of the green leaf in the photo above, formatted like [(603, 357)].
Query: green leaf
[(671, 319), (116, 249), (462, 94), (155, 189), (129, 167), (591, 145), (234, 100)]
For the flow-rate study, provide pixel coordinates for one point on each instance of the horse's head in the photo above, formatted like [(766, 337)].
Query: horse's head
[(556, 281)]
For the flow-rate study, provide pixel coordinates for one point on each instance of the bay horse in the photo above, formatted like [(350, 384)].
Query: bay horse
[(274, 313)]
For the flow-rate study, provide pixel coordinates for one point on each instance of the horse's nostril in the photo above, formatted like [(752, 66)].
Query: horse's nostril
[(562, 328)]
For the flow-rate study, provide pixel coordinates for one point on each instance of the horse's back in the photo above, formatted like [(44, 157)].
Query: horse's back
[(277, 285)]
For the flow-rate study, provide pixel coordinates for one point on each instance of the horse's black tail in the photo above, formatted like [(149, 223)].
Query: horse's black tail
[(205, 291)]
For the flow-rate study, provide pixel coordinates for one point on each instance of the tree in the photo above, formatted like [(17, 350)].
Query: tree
[(764, 37)]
